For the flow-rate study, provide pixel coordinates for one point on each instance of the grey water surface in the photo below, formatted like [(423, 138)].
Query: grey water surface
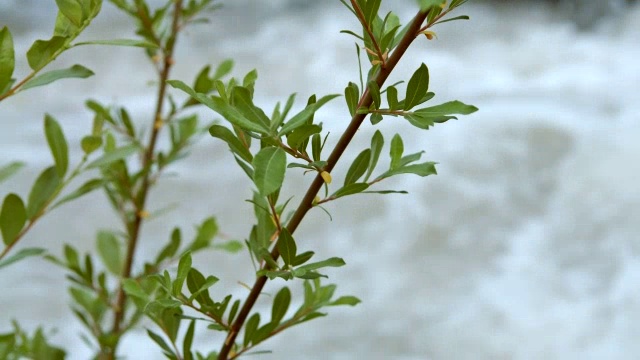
[(525, 246)]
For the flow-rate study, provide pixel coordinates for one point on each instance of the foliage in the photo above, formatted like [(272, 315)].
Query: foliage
[(110, 295)]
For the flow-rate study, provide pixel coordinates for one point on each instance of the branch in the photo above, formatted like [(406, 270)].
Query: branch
[(307, 202)]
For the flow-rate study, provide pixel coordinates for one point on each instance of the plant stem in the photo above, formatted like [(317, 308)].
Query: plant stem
[(307, 202), (147, 163)]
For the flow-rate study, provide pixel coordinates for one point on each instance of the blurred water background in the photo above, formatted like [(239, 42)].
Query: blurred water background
[(525, 246)]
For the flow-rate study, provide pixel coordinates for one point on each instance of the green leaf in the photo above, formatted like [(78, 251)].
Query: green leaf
[(269, 168), (250, 328), (13, 216), (377, 142), (84, 189), (351, 94), (417, 87), (184, 265), (10, 169), (331, 262), (358, 167), (346, 300), (171, 248), (287, 247), (371, 10), (57, 144), (21, 254), (301, 118), (462, 17), (392, 97), (427, 4), (235, 145), (188, 341), (350, 189), (43, 51), (427, 117), (160, 341), (75, 71), (119, 42), (133, 288), (231, 246), (90, 143), (223, 69), (302, 258), (374, 89), (397, 148), (42, 191), (198, 285), (298, 136), (110, 252), (221, 107), (7, 58), (72, 10), (243, 102), (280, 305), (424, 169), (206, 232), (114, 155)]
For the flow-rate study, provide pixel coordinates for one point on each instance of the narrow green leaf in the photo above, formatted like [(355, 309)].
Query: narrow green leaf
[(298, 136), (21, 254), (133, 288), (205, 234), (13, 217), (350, 189), (7, 58), (184, 265), (110, 252), (392, 97), (235, 145), (43, 189), (302, 117), (250, 328), (84, 189), (231, 246), (358, 167), (427, 4), (221, 107), (269, 169), (75, 71), (397, 148), (114, 155), (223, 69), (316, 147), (331, 262), (346, 300), (57, 144), (417, 87), (72, 10), (374, 89), (462, 17), (10, 169), (351, 95), (188, 341), (171, 248), (448, 108), (119, 42), (243, 102), (424, 169), (371, 10), (287, 247), (377, 143), (198, 285), (42, 51), (280, 305), (160, 341)]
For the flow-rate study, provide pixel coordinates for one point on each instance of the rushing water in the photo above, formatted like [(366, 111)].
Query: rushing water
[(525, 246)]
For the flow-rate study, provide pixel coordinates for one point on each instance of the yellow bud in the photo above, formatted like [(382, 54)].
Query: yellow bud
[(143, 214), (376, 62), (316, 200), (326, 177), (371, 52), (429, 34)]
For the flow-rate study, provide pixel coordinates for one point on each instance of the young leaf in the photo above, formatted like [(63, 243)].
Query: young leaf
[(43, 189), (184, 265), (114, 155), (235, 145), (223, 69), (231, 246), (171, 248), (57, 144), (90, 143), (43, 51), (358, 167), (350, 189), (346, 300), (374, 89), (188, 341), (13, 216), (377, 142), (298, 136), (85, 188), (7, 58), (72, 10), (280, 305), (392, 97), (331, 262), (75, 71), (302, 117), (287, 247), (250, 328), (119, 42), (424, 169), (302, 258), (21, 254), (269, 168), (351, 94), (417, 87), (8, 170), (160, 341), (397, 148), (206, 232), (110, 252)]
